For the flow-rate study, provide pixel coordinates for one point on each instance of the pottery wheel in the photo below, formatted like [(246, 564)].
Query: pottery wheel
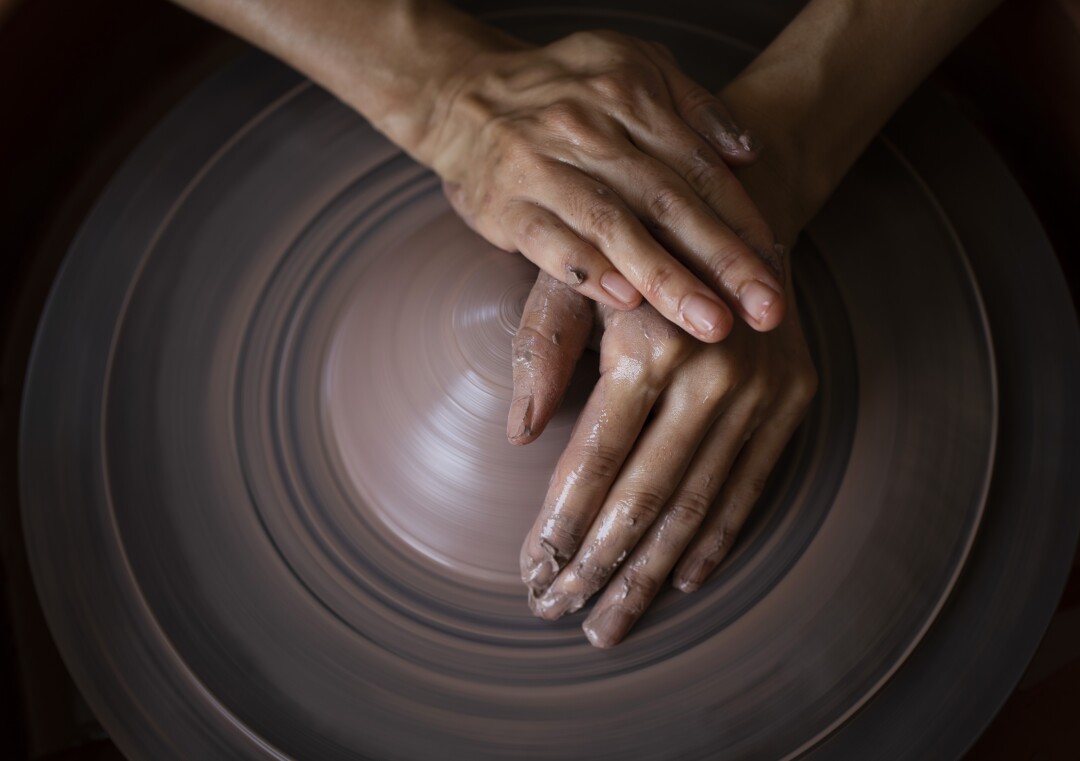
[(272, 513)]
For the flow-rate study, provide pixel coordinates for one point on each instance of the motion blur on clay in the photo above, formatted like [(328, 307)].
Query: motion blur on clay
[(309, 463)]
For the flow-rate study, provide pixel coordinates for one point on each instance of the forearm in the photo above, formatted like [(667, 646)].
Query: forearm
[(827, 84), (407, 50)]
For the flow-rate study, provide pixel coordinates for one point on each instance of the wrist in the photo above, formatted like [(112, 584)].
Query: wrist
[(408, 103), (794, 167)]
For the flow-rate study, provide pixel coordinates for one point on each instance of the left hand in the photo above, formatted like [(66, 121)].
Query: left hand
[(611, 170), (672, 425)]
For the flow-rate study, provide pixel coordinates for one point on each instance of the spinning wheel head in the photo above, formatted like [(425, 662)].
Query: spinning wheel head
[(272, 511)]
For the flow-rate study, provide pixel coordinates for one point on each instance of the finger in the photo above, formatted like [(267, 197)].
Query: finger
[(593, 457), (554, 330), (673, 144), (543, 238), (706, 170), (648, 479), (692, 231), (602, 218), (637, 582), (738, 496), (582, 477), (704, 112)]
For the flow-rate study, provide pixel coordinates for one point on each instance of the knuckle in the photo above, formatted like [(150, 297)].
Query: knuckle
[(520, 155), (640, 508), (657, 281), (726, 262), (655, 345), (702, 172), (531, 347), (512, 146), (696, 101), (718, 382), (606, 43), (565, 119), (588, 38), (640, 586), (664, 205), (533, 232), (597, 462), (716, 368), (690, 507), (615, 85), (668, 349), (591, 573), (603, 220), (560, 537), (667, 356)]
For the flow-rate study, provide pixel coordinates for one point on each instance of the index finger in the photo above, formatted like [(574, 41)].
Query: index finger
[(596, 212)]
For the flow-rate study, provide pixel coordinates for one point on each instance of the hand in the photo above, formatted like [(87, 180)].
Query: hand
[(605, 165), (672, 425)]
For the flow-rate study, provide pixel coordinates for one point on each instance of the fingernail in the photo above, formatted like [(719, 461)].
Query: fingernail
[(550, 606), (609, 626), (539, 577), (724, 131), (685, 586), (729, 140), (747, 142), (519, 421), (691, 579), (757, 299), (554, 605), (702, 314), (618, 286)]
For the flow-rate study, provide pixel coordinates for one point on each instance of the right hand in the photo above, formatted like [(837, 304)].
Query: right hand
[(665, 462), (604, 164)]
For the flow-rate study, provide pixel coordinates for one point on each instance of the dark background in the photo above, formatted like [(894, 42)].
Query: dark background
[(81, 81)]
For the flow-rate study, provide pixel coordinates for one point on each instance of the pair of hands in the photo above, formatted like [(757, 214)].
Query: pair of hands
[(607, 167)]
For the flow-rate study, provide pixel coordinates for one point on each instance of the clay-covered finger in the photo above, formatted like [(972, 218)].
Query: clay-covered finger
[(740, 493), (547, 242), (613, 417), (633, 587), (588, 466), (555, 327), (600, 215), (639, 495)]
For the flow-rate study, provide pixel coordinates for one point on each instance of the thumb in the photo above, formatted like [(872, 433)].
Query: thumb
[(555, 327)]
